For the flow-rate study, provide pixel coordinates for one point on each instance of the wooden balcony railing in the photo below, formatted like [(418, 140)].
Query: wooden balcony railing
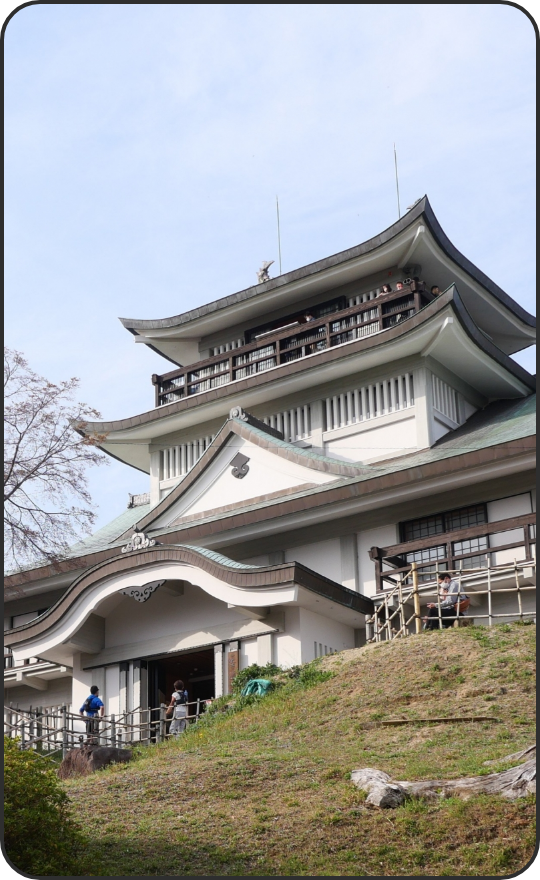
[(290, 343), (473, 547)]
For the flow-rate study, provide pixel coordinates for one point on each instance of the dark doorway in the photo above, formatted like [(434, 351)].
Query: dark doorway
[(195, 669)]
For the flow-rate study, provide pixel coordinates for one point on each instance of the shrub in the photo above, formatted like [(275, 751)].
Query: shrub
[(40, 835), (309, 674)]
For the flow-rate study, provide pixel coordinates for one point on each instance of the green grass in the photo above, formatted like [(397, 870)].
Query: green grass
[(264, 788)]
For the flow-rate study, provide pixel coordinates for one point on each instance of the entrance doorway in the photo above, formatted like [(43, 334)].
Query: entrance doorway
[(195, 669)]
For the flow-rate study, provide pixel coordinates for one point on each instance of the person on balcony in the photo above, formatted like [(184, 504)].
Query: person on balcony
[(435, 290), (451, 596), (386, 288)]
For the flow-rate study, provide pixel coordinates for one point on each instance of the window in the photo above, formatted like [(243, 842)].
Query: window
[(426, 526), (424, 558)]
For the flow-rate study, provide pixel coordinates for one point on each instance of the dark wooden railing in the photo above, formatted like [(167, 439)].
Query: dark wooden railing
[(287, 344), (447, 554)]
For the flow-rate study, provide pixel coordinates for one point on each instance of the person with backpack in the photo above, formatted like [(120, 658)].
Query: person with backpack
[(178, 705), (94, 709)]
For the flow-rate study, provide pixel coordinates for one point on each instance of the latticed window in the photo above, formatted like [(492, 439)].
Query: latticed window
[(426, 556), (426, 526)]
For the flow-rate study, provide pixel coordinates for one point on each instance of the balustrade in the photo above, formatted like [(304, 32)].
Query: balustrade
[(278, 347)]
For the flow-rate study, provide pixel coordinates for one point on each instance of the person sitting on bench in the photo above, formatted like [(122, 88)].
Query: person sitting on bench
[(449, 611)]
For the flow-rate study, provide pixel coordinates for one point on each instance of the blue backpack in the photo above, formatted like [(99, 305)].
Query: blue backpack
[(89, 704)]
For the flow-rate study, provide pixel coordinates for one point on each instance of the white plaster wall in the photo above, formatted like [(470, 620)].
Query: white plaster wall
[(467, 409), (256, 560), (503, 603), (249, 653), (164, 614), (112, 690), (381, 537), (375, 443), (287, 645), (83, 679), (503, 508), (323, 557), (58, 693), (439, 429), (329, 633), (216, 486)]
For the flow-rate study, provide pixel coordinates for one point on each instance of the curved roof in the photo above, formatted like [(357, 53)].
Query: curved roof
[(128, 438), (502, 432), (245, 578), (401, 243)]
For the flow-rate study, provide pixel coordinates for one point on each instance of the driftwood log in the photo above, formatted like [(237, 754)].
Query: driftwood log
[(87, 759), (516, 782)]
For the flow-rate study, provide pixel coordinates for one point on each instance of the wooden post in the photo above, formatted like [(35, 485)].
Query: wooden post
[(162, 719), (198, 710), (113, 730), (490, 621), (520, 605), (39, 728), (232, 664), (63, 712), (416, 599), (402, 627)]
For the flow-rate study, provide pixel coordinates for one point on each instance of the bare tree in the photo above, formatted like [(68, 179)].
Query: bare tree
[(47, 505)]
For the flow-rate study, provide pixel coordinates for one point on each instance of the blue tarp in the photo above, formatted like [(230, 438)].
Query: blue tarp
[(257, 686)]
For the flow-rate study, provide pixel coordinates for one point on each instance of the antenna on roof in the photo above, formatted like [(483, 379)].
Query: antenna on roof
[(397, 182), (278, 234)]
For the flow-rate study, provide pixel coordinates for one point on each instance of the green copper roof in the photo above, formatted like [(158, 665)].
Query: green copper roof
[(110, 532), (498, 423)]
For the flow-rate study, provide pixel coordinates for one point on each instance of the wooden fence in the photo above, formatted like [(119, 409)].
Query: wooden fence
[(53, 731), (399, 613)]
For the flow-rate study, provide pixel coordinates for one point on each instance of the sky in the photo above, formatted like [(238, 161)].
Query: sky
[(146, 144)]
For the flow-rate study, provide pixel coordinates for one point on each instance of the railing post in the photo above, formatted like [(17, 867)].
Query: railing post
[(39, 728), (161, 727), (198, 709), (416, 599), (490, 623), (520, 604), (113, 730), (63, 712)]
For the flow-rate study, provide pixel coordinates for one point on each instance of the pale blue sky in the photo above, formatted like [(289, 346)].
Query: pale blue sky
[(145, 145)]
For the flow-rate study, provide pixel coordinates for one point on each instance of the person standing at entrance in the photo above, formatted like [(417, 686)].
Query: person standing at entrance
[(94, 709), (179, 706)]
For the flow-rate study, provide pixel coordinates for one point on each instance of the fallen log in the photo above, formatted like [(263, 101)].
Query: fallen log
[(382, 791), (448, 720), (529, 752)]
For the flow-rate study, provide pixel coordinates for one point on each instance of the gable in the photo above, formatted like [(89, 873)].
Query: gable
[(267, 473)]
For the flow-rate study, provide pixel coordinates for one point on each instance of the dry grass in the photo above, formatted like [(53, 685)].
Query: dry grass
[(266, 791)]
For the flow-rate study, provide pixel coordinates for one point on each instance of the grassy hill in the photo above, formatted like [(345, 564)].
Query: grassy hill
[(266, 791)]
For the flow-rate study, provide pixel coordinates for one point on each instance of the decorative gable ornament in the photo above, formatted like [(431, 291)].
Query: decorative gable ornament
[(138, 541), (238, 413), (239, 465), (142, 594)]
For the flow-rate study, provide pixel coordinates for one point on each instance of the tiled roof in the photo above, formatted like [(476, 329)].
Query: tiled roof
[(110, 532), (497, 423)]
